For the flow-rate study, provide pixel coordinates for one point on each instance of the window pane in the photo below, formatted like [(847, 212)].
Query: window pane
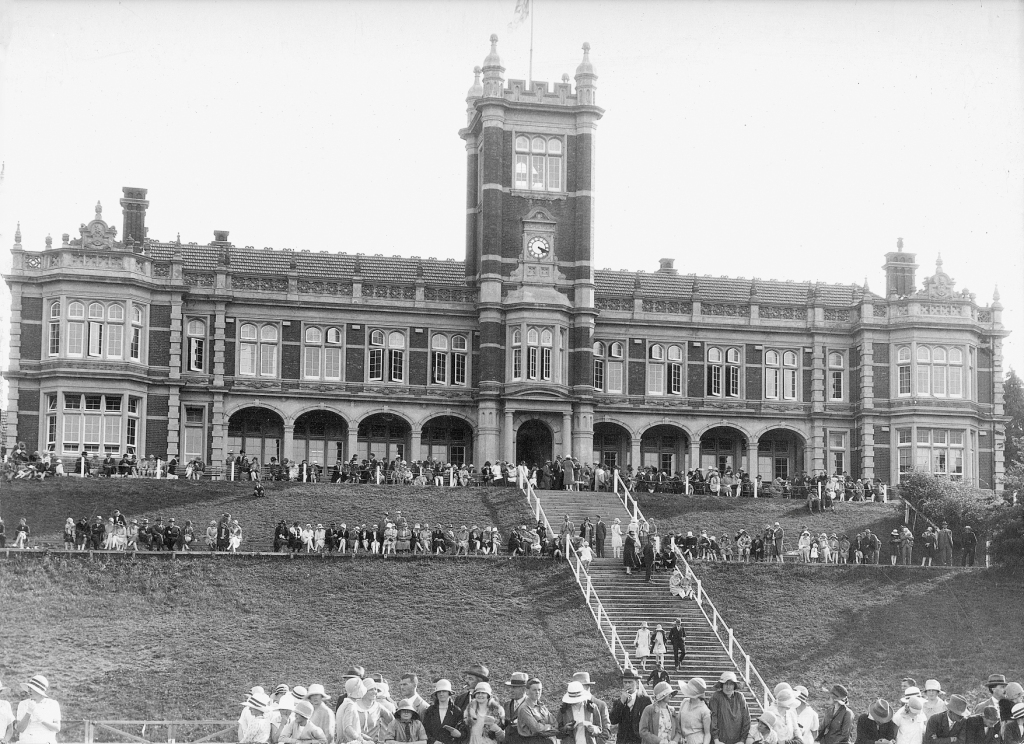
[(546, 338), (76, 310), (522, 168), (676, 379), (538, 145), (956, 356), (532, 337), (956, 381), (54, 343), (531, 363), (458, 369), (903, 355), (599, 374), (197, 354), (247, 332), (789, 384), (675, 354), (616, 350), (377, 338), (714, 381), (332, 364), (136, 344), (115, 312), (376, 364), (196, 328), (956, 438), (396, 340), (517, 337), (96, 311), (939, 380), (133, 404), (732, 356), (439, 368), (657, 352), (517, 364), (439, 342), (268, 360), (111, 430), (904, 380), (247, 359), (55, 310), (112, 403), (771, 383), (397, 370), (72, 431), (313, 336), (836, 440), (732, 378), (136, 314), (771, 358), (655, 379), (522, 144), (714, 355), (923, 355), (835, 360), (614, 377), (789, 359), (554, 174), (923, 379), (837, 385), (95, 339), (91, 429), (268, 333), (459, 343), (545, 366), (311, 361), (115, 340), (72, 402), (939, 355), (333, 336), (537, 172)]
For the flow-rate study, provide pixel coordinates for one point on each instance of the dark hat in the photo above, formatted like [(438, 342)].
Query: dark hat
[(840, 692), (630, 673), (356, 671), (480, 671), (518, 679), (957, 704), (994, 680), (880, 711)]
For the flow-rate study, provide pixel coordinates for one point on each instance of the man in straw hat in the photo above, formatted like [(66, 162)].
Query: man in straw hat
[(536, 723), (628, 709), (517, 691), (38, 718), (694, 715), (837, 721), (657, 724), (254, 725), (983, 728), (579, 719), (584, 679), (730, 716), (876, 724), (948, 727), (299, 728)]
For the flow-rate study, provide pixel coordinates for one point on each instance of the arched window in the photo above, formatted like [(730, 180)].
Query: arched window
[(903, 370), (538, 164), (55, 310), (722, 380), (321, 354), (924, 370), (608, 367), (675, 354), (314, 336), (95, 311), (334, 335), (258, 358), (136, 315), (616, 350), (54, 330), (771, 358), (387, 359), (780, 375), (76, 310), (836, 375), (598, 349), (195, 331), (517, 354), (657, 352), (115, 312), (448, 367)]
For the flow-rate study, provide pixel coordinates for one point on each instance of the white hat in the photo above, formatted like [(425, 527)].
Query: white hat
[(910, 692), (304, 708), (317, 689), (299, 692), (932, 684), (37, 684), (443, 685), (483, 687), (257, 701), (355, 688), (575, 693)]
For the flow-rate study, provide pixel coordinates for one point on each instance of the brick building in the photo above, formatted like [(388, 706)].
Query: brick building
[(524, 350)]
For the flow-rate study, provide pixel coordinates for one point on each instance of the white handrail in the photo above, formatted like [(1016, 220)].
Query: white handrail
[(594, 604)]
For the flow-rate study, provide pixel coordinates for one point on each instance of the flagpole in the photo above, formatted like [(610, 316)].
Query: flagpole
[(529, 83)]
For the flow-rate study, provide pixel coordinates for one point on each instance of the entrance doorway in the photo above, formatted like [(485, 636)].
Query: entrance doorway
[(533, 443)]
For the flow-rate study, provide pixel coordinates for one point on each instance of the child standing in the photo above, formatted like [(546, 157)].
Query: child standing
[(69, 534)]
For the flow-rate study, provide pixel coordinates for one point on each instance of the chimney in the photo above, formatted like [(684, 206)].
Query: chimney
[(220, 236), (666, 266), (133, 207), (900, 272)]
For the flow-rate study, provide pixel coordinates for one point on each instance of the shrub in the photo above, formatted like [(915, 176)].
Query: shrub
[(1007, 547), (944, 500)]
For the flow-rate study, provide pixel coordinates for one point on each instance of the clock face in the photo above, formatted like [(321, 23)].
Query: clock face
[(538, 247)]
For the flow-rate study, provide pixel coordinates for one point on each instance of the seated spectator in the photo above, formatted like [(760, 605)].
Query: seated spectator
[(21, 533)]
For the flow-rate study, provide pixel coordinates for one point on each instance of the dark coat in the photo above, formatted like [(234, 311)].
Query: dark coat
[(976, 733), (836, 726), (677, 636), (939, 730), (1011, 732), (591, 714), (600, 531), (435, 726), (629, 553), (869, 731), (628, 720)]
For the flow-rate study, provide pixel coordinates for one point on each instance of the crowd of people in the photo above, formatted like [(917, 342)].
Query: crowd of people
[(369, 711)]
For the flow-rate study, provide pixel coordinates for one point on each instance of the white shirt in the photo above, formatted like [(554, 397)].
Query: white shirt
[(910, 727), (46, 710), (808, 724), (254, 729), (6, 717)]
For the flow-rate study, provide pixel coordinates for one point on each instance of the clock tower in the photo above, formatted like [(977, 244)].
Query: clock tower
[(529, 250)]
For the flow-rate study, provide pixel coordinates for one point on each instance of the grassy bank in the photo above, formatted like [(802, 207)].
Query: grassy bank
[(866, 628), (140, 640), (47, 504)]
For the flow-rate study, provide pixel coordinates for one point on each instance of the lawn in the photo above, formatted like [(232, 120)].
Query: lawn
[(122, 639), (47, 504), (866, 628), (678, 514)]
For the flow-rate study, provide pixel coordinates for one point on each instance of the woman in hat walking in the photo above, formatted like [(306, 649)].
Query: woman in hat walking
[(617, 538), (631, 553), (642, 644), (658, 724), (659, 647), (38, 718)]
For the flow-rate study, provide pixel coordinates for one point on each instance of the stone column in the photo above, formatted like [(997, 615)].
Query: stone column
[(415, 444), (566, 433), (752, 457), (583, 433), (508, 440), (218, 430), (867, 422), (487, 433), (694, 462), (353, 441), (288, 445), (634, 453)]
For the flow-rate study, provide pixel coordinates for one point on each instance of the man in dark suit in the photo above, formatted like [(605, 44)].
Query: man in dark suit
[(947, 727), (983, 728), (649, 558), (945, 545), (677, 637), (600, 533), (628, 708), (837, 721)]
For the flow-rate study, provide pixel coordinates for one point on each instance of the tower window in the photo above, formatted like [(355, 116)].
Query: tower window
[(538, 163)]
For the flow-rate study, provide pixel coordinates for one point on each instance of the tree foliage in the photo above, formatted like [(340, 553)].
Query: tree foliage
[(1007, 547), (1013, 406), (944, 500)]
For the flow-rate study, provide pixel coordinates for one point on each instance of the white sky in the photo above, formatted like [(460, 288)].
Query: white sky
[(772, 139)]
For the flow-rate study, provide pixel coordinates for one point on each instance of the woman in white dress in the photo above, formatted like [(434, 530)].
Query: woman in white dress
[(617, 538), (234, 536), (642, 642), (659, 649)]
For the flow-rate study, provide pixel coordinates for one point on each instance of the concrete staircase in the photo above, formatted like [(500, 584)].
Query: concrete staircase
[(628, 600)]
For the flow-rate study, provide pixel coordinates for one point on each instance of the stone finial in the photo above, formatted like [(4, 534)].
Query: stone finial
[(995, 294), (99, 210), (754, 287), (586, 67), (899, 244), (585, 78), (17, 235), (938, 263), (65, 240), (49, 242), (178, 241), (866, 287), (565, 77), (476, 90), (357, 269), (419, 268), (637, 286), (492, 59)]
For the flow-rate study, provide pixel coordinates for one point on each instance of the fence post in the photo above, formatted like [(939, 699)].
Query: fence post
[(88, 736), (988, 557), (906, 517), (755, 487), (746, 674), (730, 642), (700, 591), (885, 494), (83, 468), (232, 470)]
